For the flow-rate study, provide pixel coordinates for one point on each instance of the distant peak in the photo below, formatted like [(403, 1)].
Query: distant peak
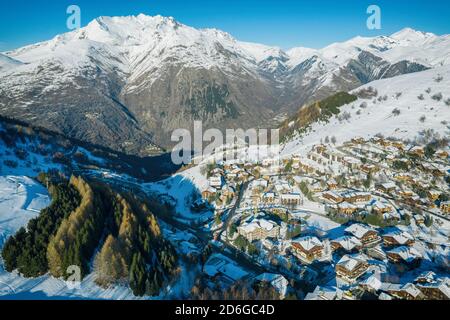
[(411, 34)]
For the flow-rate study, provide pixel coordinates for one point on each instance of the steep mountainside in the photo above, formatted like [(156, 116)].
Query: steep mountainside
[(389, 107), (128, 82)]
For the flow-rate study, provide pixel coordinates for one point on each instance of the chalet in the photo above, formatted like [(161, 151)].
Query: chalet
[(231, 175), (358, 140), (404, 177), (408, 291), (367, 235), (351, 267), (296, 159), (323, 293), (317, 186), (356, 197), (369, 168), (346, 243), (442, 154), (277, 281), (351, 163), (333, 196), (309, 248), (332, 184), (282, 186), (259, 229), (445, 207), (437, 290), (219, 266), (268, 198), (291, 199), (371, 284), (260, 183), (407, 256), (438, 172), (215, 181), (398, 238), (426, 277), (381, 208), (419, 219), (398, 144), (387, 188), (406, 193), (208, 193), (417, 151), (346, 208), (433, 195)]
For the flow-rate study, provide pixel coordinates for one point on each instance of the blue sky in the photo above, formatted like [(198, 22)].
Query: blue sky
[(283, 23)]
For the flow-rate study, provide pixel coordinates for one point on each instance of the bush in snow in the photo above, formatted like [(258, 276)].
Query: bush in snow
[(363, 105), (398, 95), (333, 140), (439, 78), (396, 112), (428, 90), (345, 116), (358, 112), (437, 96), (447, 102), (422, 119), (421, 97), (367, 93)]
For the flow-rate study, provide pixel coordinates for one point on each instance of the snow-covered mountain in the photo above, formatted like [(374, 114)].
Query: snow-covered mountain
[(126, 82)]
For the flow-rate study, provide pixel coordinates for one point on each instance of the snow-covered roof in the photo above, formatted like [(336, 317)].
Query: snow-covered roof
[(348, 242), (388, 185), (308, 242), (373, 282), (278, 281), (406, 253), (359, 230), (346, 205), (322, 293), (351, 261), (442, 284), (384, 296), (402, 237), (258, 224)]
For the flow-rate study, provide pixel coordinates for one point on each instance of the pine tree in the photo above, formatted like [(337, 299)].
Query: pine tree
[(138, 278)]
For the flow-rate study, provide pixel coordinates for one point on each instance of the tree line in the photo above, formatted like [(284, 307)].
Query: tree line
[(88, 221)]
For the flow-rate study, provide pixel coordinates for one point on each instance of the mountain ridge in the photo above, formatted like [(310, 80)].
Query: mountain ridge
[(129, 77)]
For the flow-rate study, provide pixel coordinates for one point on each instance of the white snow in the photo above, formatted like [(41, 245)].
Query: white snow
[(21, 199), (378, 117)]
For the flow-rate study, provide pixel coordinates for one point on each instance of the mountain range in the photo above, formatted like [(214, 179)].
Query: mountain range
[(128, 82)]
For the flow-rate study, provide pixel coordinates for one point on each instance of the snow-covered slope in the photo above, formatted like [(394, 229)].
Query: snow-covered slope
[(7, 63), (404, 107), (21, 199)]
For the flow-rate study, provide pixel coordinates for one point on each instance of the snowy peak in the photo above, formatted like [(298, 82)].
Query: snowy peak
[(154, 72), (408, 34)]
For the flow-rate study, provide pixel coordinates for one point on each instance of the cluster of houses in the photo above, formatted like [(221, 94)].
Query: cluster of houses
[(379, 177), (427, 286)]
